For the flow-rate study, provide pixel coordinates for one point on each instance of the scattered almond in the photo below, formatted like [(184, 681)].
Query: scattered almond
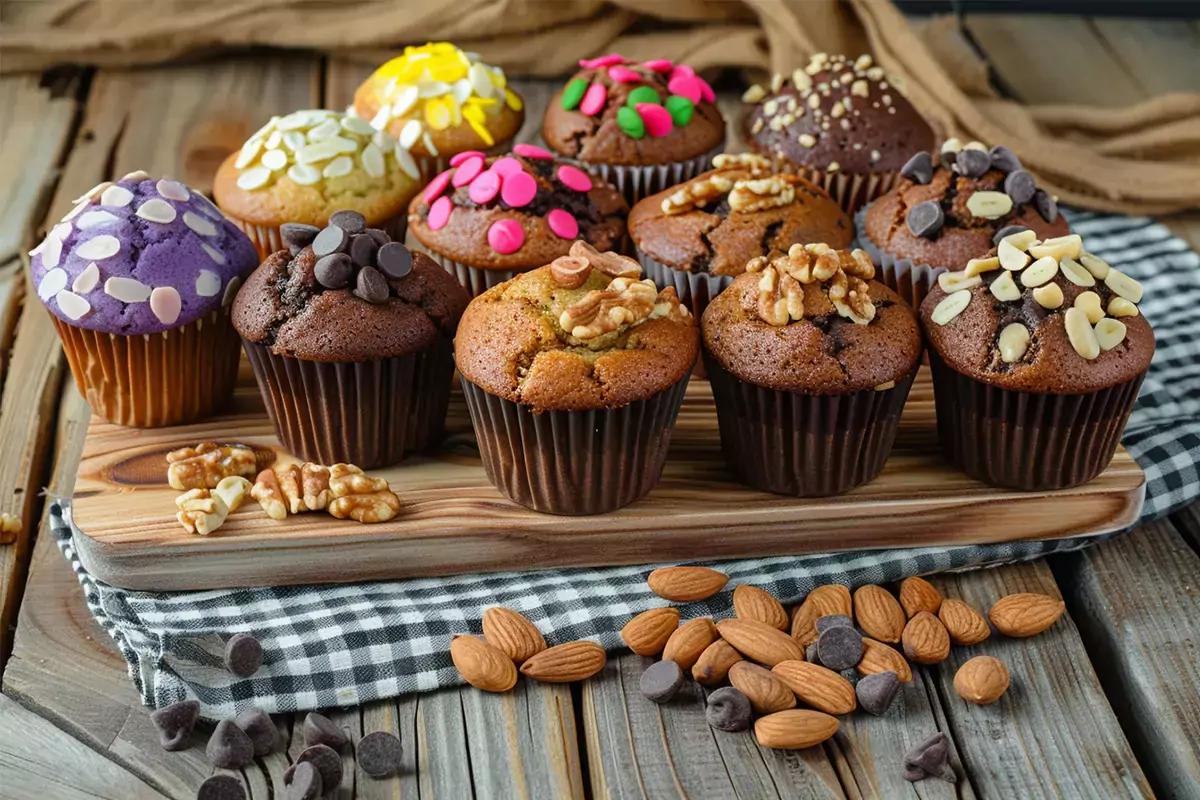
[(512, 634), (925, 639), (766, 692), (804, 620), (686, 584), (565, 663), (715, 662), (482, 665), (751, 602), (918, 594), (759, 642), (1023, 615), (794, 729), (878, 657), (818, 686), (965, 625), (832, 598), (688, 641), (982, 680), (647, 633), (878, 613)]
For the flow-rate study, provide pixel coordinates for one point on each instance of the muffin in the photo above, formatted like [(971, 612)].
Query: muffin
[(810, 362), (438, 101), (488, 218), (699, 236), (845, 125), (349, 334), (302, 167), (938, 218), (139, 277), (643, 127), (1037, 351), (573, 374)]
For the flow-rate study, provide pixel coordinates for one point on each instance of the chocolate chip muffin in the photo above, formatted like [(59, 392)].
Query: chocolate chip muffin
[(810, 361), (948, 209), (573, 374), (698, 236), (1038, 351), (845, 125), (349, 334), (642, 126), (488, 218)]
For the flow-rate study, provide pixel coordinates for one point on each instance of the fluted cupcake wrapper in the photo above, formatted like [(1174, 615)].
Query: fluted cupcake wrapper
[(804, 445), (155, 379), (695, 289), (368, 413), (911, 281), (849, 190), (574, 462), (267, 239), (636, 182), (475, 280), (1020, 440)]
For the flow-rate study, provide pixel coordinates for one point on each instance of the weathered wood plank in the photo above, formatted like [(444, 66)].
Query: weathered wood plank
[(1187, 521)]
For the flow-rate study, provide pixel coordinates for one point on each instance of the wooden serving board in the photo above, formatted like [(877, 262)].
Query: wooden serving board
[(454, 521)]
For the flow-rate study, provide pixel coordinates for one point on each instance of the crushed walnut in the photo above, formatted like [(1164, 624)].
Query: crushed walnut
[(203, 510), (746, 178), (761, 194), (842, 274), (297, 488), (611, 264), (206, 464), (359, 497), (602, 311)]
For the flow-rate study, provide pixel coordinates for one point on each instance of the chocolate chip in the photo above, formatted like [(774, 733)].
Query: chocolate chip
[(919, 168), (379, 754), (302, 782), (395, 260), (327, 762), (330, 240), (333, 271), (832, 621), (1007, 230), (381, 237), (1045, 205), (221, 787), (851, 675), (349, 221), (1004, 159), (175, 722), (840, 647), (925, 219), (972, 163), (661, 681), (320, 729), (728, 710), (257, 724), (811, 655), (243, 655), (929, 758), (876, 692), (363, 249), (371, 285), (297, 236), (229, 746), (1020, 186)]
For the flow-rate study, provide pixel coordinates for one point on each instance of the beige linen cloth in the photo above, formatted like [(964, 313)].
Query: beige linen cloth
[(1140, 159)]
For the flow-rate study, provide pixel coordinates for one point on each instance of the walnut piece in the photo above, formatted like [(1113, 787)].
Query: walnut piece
[(314, 479), (203, 466), (751, 161), (843, 275), (296, 488), (697, 194), (202, 511), (614, 265), (289, 485), (359, 497), (760, 194), (602, 311), (10, 527), (269, 495), (780, 298)]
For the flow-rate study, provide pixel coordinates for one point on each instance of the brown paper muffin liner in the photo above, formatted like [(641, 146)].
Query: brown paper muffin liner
[(636, 182), (911, 281), (268, 240), (152, 380), (475, 280), (574, 462), (368, 413), (1020, 440), (849, 190), (695, 289), (804, 445)]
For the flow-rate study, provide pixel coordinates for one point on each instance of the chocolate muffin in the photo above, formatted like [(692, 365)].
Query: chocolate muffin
[(939, 217), (643, 127), (1038, 351), (573, 375), (810, 362), (349, 334), (699, 235), (487, 219), (845, 125)]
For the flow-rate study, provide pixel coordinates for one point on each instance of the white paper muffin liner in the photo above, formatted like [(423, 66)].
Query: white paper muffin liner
[(695, 289), (267, 239), (636, 182), (911, 281)]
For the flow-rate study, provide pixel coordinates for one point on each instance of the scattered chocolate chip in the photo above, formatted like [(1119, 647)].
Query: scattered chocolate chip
[(832, 621), (919, 168), (925, 219), (320, 729), (330, 240), (972, 163), (728, 710), (229, 746), (302, 781), (395, 260), (1007, 230), (661, 681), (876, 692), (371, 285), (175, 722), (379, 754), (297, 236), (1045, 205), (243, 655), (221, 787), (363, 249), (381, 238), (1004, 159), (257, 724), (929, 758), (811, 654), (851, 675), (333, 271), (1020, 186), (327, 762), (840, 647), (349, 221)]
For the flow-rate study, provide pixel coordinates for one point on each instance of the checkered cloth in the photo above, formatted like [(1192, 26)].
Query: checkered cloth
[(342, 645)]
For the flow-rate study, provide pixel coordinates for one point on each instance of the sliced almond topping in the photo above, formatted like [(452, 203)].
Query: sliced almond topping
[(1061, 247), (978, 266), (1005, 288), (1080, 334), (953, 281), (1124, 285), (1109, 333), (1097, 266), (1021, 239), (1120, 307), (1014, 341), (1075, 272), (989, 205), (1039, 272), (951, 306), (1048, 296)]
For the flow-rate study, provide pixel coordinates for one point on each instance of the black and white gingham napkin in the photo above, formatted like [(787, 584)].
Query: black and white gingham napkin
[(342, 645)]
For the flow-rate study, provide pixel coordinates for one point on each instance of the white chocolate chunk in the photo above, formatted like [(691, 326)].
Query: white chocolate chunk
[(1010, 256), (248, 153), (208, 283), (1021, 240), (71, 304), (304, 174), (1005, 288), (1070, 246), (253, 178), (1097, 266), (99, 248), (173, 190), (952, 145), (116, 196), (166, 304), (127, 290), (1039, 272), (199, 224), (156, 210), (293, 141), (274, 160), (1123, 285), (1075, 272), (1014, 341), (93, 219), (86, 280), (1109, 333), (52, 283), (372, 161), (1089, 303), (954, 281), (978, 266), (1120, 307), (1049, 296), (342, 165), (274, 140), (951, 306), (1080, 334)]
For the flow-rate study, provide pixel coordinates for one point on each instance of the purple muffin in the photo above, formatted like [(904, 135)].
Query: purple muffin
[(139, 277)]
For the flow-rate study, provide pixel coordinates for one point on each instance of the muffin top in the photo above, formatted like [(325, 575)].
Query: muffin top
[(582, 333), (949, 214), (438, 100), (347, 293), (813, 321), (1039, 316), (140, 256), (617, 111), (306, 165), (718, 221), (836, 115), (516, 212)]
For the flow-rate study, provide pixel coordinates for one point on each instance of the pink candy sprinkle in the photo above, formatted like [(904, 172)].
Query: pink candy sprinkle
[(593, 101), (562, 224), (659, 65), (706, 91), (575, 178), (439, 213), (459, 158), (485, 188), (467, 171), (683, 71), (532, 151), (685, 86), (507, 166), (437, 185), (602, 61), (520, 188), (506, 236), (658, 119), (623, 75)]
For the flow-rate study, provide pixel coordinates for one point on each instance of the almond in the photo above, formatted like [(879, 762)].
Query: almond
[(878, 613), (878, 657), (925, 639), (512, 634), (804, 620), (832, 598), (794, 729), (766, 692), (647, 633), (685, 584), (714, 663), (759, 642), (964, 624), (981, 680), (565, 663), (918, 594), (688, 641), (1023, 615), (482, 665), (819, 687), (751, 602)]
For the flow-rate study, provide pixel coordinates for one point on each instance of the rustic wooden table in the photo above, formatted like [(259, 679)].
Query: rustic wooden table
[(1106, 704)]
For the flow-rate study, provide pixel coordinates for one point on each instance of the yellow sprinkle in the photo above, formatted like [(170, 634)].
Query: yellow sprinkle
[(498, 78), (475, 100), (437, 113), (476, 118), (513, 100)]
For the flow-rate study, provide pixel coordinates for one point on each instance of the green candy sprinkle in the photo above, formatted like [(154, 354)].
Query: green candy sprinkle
[(574, 93), (681, 109), (630, 121), (643, 94)]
